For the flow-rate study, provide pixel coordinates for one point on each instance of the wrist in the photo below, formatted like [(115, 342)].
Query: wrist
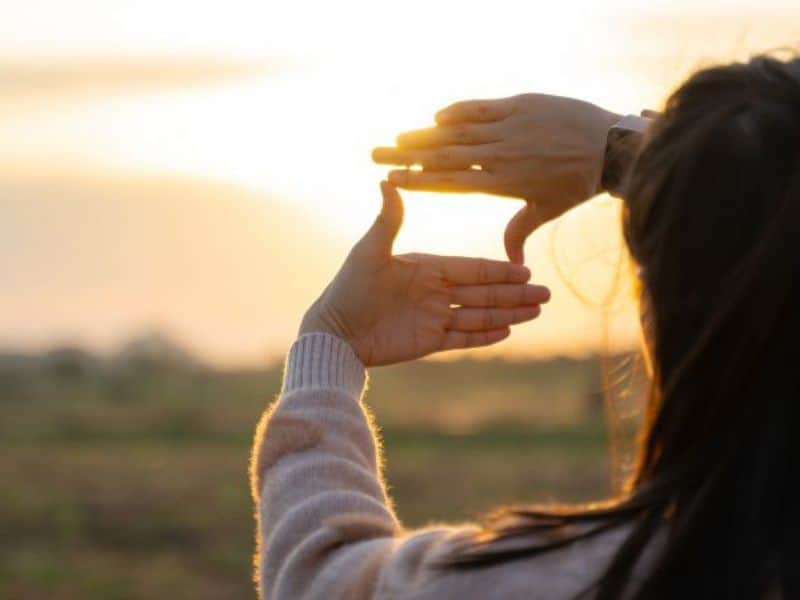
[(609, 120), (319, 360), (312, 323), (316, 322), (623, 142)]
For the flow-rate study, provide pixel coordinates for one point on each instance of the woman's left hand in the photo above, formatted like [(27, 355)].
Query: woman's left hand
[(396, 308)]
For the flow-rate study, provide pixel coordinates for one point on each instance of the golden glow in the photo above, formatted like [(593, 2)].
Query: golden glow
[(345, 77)]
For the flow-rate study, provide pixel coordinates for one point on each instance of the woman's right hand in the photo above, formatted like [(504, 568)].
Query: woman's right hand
[(546, 150)]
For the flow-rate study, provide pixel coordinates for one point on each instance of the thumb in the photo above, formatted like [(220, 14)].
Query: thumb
[(384, 230), (518, 229)]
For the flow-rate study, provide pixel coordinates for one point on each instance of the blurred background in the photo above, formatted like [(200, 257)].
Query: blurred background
[(178, 181)]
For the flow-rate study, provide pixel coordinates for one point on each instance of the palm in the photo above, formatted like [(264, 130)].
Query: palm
[(409, 314)]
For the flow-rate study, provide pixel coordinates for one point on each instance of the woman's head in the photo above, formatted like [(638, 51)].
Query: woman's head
[(713, 223), (712, 220)]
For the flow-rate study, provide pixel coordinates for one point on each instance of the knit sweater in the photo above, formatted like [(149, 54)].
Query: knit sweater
[(326, 526)]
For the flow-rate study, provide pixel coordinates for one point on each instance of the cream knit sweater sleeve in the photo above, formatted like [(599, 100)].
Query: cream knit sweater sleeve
[(326, 527)]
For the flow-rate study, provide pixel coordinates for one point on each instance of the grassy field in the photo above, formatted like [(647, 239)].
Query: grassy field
[(127, 479)]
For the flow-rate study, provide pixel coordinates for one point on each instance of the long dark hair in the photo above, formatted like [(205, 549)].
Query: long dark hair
[(712, 219)]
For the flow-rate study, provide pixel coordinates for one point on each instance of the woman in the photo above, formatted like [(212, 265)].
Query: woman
[(712, 220)]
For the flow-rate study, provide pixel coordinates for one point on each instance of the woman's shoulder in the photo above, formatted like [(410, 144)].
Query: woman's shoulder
[(559, 573)]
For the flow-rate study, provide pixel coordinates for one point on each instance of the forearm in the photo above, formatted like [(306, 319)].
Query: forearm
[(313, 458), (326, 526)]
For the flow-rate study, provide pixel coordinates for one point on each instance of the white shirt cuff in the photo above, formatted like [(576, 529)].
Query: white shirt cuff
[(323, 361)]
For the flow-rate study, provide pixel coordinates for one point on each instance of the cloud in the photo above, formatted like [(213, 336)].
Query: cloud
[(70, 78), (93, 258)]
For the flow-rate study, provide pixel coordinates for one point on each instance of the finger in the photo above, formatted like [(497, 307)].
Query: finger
[(461, 270), (501, 295), (521, 225), (443, 181), (650, 114), (463, 339), (482, 111), (448, 136), (383, 232), (485, 319), (441, 159)]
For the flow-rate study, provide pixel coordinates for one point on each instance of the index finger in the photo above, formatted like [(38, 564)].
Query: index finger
[(457, 135), (479, 111), (470, 271)]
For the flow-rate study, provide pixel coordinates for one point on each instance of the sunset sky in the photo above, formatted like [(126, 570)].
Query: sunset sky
[(202, 168)]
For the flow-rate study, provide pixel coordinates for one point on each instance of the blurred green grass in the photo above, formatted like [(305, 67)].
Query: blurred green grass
[(127, 478)]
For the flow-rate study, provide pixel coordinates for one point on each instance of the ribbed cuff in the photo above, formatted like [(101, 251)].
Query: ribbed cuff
[(323, 361)]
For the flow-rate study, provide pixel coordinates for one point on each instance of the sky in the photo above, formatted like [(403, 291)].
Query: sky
[(202, 168)]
